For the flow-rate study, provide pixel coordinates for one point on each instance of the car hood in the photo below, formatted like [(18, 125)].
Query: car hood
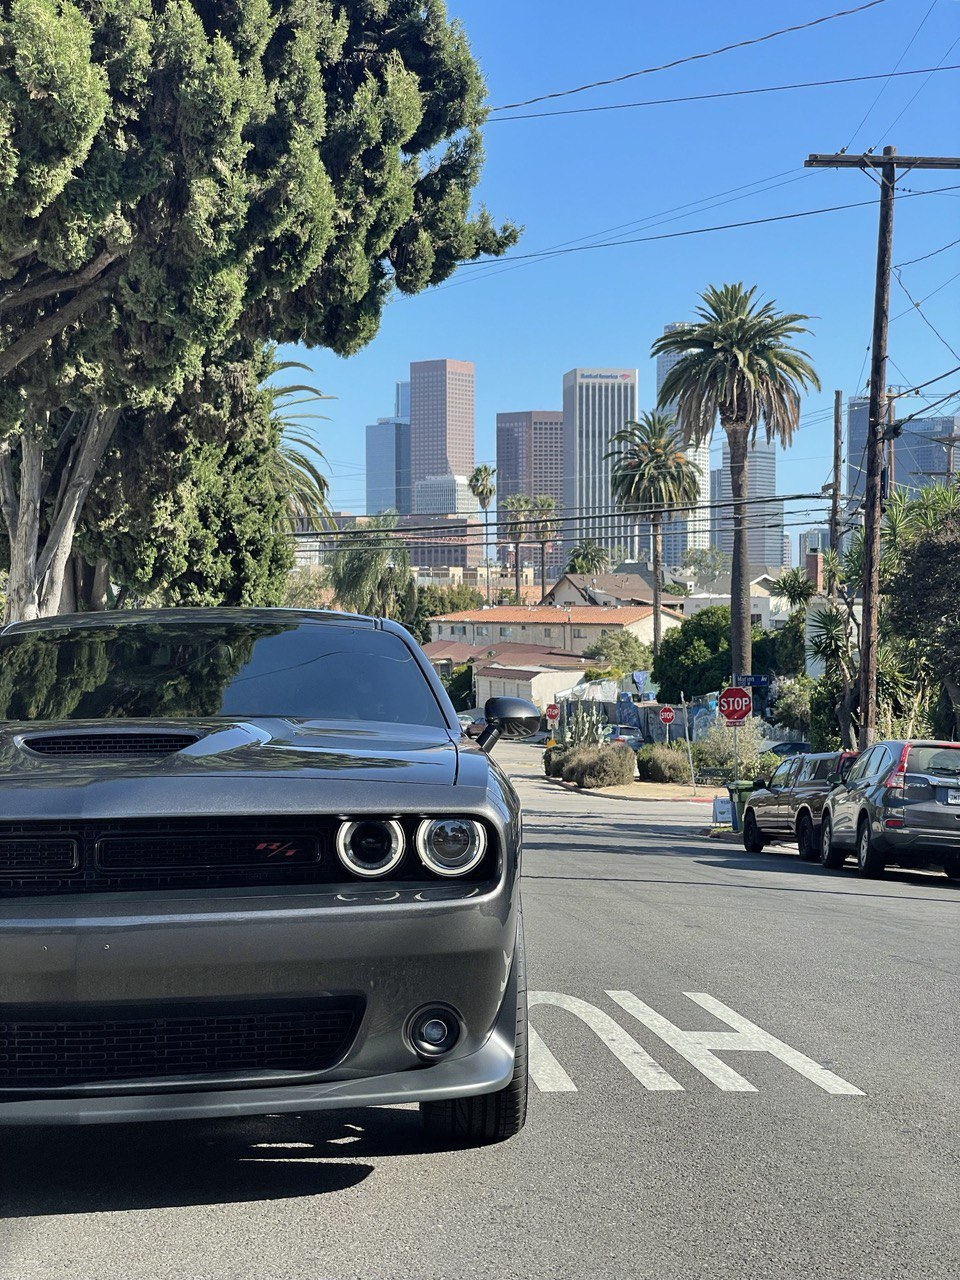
[(241, 749)]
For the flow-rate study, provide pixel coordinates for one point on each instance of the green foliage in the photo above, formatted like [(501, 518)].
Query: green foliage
[(482, 486), (719, 750), (553, 760), (695, 658), (707, 563), (795, 587), (621, 652), (825, 699), (434, 602), (781, 652), (657, 762), (792, 706), (459, 685), (374, 577), (307, 588), (609, 765), (651, 474), (589, 556), (585, 727)]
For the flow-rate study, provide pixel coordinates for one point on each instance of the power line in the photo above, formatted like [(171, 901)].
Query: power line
[(909, 104), (729, 93), (693, 57), (883, 87), (699, 231), (932, 254), (920, 385), (926, 320)]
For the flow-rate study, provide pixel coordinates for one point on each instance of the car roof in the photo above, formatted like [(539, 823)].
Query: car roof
[(131, 617)]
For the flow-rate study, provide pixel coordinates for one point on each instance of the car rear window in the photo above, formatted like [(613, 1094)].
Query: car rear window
[(237, 669), (945, 760)]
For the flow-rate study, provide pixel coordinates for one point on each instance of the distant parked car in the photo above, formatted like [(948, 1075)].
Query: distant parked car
[(790, 749), (899, 803), (789, 805), (628, 733)]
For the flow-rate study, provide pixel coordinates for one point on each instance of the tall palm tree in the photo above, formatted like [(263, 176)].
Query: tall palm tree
[(589, 556), (294, 466), (517, 526), (652, 477), (736, 363), (484, 490), (544, 510)]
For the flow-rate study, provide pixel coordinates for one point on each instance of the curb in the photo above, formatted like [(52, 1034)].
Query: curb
[(601, 793)]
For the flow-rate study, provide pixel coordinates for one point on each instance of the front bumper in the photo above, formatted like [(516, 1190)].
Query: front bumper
[(394, 948)]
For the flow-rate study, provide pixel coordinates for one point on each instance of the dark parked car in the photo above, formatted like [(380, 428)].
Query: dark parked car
[(248, 865), (789, 805), (899, 803), (791, 749)]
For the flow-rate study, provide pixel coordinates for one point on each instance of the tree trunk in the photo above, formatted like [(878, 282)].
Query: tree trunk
[(516, 570), (656, 530), (486, 546), (543, 571), (953, 693), (37, 574), (740, 631)]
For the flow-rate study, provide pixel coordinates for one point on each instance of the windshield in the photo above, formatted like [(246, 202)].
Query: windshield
[(184, 670)]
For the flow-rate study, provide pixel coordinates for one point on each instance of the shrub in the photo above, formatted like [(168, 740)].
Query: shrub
[(716, 750), (610, 765), (660, 763), (553, 760)]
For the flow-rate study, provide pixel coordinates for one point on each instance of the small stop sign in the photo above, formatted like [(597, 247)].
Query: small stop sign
[(667, 715), (735, 704), (553, 711)]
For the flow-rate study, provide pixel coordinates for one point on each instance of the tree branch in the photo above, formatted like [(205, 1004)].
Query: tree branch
[(49, 283), (57, 321)]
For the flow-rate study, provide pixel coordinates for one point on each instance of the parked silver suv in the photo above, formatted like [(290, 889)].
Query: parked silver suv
[(899, 803)]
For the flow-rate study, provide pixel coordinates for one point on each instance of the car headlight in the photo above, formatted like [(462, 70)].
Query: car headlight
[(451, 846), (370, 847)]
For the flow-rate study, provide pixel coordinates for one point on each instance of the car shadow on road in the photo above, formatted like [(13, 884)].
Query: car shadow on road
[(54, 1171)]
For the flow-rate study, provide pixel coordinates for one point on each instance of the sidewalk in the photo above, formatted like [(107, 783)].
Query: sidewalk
[(647, 791)]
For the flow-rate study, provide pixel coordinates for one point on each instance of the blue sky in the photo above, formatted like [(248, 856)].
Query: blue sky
[(571, 177)]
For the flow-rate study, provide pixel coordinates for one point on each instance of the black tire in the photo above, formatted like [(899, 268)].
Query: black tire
[(753, 841), (830, 855), (493, 1117), (807, 842), (869, 861)]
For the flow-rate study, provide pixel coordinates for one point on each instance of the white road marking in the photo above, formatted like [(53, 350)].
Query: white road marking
[(545, 1071), (635, 1058), (695, 1046)]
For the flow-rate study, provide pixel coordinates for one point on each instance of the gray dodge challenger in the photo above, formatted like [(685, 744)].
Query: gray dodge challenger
[(248, 864)]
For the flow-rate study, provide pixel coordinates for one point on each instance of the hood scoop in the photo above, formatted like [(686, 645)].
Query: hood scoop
[(129, 745)]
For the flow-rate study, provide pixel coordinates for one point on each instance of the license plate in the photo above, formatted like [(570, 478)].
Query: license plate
[(953, 797)]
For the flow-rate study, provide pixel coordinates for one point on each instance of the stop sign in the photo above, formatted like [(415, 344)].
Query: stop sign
[(667, 715), (553, 711), (735, 704)]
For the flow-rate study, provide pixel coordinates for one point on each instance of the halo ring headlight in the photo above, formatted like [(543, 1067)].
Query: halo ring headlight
[(451, 846), (370, 847)]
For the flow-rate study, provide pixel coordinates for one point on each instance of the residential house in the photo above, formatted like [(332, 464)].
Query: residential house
[(574, 630), (574, 589)]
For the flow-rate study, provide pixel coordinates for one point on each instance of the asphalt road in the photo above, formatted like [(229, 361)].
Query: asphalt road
[(830, 1150)]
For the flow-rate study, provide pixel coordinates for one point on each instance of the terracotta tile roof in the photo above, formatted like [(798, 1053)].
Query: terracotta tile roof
[(540, 615), (506, 652)]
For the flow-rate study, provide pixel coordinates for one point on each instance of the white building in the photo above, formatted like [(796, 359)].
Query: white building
[(444, 496), (764, 512), (597, 403), (692, 533)]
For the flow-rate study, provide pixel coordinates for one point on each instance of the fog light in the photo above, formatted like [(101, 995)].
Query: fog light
[(434, 1031)]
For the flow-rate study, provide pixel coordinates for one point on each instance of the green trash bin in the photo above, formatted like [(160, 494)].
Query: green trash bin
[(738, 799)]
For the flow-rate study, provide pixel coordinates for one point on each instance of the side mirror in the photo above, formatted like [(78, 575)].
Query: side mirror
[(507, 718), (835, 779), (759, 784)]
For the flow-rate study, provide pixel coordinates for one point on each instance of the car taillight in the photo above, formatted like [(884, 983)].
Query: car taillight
[(898, 778)]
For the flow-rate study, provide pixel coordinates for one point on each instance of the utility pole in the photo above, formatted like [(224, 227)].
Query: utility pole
[(888, 163), (837, 466)]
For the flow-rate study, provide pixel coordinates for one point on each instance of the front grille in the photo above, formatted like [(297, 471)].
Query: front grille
[(190, 853), (128, 745), (117, 1043)]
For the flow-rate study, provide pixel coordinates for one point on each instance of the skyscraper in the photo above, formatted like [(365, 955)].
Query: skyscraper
[(530, 453), (388, 458), (764, 513), (442, 418), (597, 403), (917, 459), (444, 496), (693, 532)]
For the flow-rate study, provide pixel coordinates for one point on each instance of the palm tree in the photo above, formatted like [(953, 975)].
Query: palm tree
[(517, 530), (736, 363), (589, 556), (484, 490), (544, 511), (370, 573), (653, 477), (294, 466), (795, 587)]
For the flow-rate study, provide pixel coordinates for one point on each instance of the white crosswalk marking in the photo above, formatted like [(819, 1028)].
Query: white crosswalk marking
[(545, 1071), (635, 1058), (696, 1046)]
